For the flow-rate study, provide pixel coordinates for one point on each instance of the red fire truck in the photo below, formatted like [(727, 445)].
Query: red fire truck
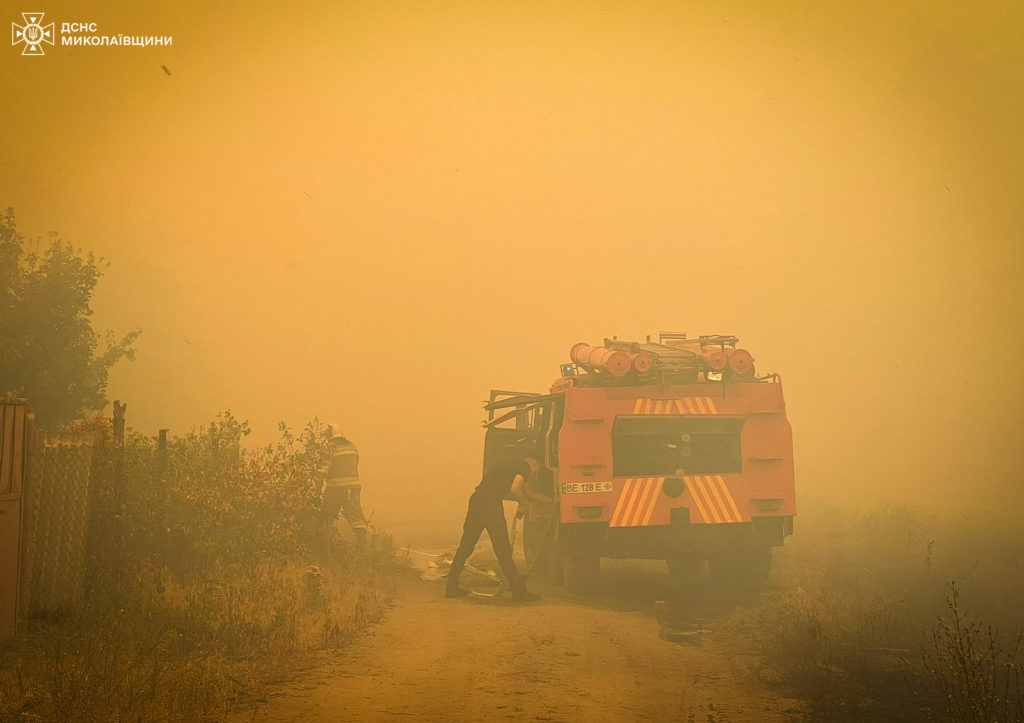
[(672, 450)]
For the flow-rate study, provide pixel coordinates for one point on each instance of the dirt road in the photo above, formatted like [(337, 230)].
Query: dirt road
[(630, 652)]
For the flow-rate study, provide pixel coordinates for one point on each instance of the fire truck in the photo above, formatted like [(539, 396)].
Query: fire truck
[(673, 450)]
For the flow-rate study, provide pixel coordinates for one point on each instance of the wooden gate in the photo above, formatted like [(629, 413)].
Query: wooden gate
[(16, 432)]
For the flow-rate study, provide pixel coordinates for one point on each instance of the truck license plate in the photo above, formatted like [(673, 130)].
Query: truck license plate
[(575, 488)]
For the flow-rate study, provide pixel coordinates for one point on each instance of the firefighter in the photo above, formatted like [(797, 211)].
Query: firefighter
[(341, 484), (487, 513)]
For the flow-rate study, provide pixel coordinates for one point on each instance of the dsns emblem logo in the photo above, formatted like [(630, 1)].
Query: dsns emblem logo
[(32, 33)]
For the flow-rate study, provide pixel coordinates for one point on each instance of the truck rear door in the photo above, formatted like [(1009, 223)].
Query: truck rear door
[(517, 423)]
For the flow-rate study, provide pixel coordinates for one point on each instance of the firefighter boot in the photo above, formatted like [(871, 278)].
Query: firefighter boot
[(453, 590)]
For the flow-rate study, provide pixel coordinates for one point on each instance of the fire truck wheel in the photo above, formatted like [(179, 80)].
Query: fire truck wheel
[(581, 572), (686, 569), (741, 567)]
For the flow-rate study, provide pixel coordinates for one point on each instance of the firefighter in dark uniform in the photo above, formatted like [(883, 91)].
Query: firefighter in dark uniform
[(342, 489), (487, 513)]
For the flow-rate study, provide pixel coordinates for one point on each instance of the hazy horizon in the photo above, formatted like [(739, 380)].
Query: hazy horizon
[(375, 214)]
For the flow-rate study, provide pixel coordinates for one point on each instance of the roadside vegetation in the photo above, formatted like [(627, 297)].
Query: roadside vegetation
[(209, 568), (895, 614), (49, 351), (211, 574)]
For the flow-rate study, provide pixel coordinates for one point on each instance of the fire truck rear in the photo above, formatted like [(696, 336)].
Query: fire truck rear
[(675, 450)]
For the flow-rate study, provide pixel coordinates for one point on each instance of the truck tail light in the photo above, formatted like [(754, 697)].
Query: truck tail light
[(772, 504)]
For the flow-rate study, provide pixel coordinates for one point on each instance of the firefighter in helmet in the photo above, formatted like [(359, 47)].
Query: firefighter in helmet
[(341, 483)]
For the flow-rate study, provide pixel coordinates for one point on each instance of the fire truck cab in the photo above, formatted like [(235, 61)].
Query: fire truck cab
[(675, 450)]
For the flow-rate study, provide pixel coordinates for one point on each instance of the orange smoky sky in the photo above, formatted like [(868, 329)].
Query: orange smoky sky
[(376, 212)]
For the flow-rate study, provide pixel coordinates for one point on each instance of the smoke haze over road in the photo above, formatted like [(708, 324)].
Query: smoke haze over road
[(375, 213)]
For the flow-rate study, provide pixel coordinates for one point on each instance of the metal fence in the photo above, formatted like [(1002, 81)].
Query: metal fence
[(45, 493), (59, 521)]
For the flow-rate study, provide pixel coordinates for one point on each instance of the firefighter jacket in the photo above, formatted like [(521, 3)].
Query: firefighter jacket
[(341, 469)]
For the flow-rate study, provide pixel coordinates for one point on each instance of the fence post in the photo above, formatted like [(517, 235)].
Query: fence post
[(159, 472), (119, 449), (26, 552), (15, 514), (161, 457)]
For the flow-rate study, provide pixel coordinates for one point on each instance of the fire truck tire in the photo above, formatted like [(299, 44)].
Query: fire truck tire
[(686, 569), (581, 572), (741, 567)]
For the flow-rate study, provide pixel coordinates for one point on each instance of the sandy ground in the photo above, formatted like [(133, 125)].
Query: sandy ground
[(638, 649)]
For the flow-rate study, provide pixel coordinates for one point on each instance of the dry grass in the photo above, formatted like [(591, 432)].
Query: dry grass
[(865, 630), (978, 673), (188, 651), (189, 625)]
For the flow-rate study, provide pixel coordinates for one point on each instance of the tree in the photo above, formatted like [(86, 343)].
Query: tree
[(49, 352)]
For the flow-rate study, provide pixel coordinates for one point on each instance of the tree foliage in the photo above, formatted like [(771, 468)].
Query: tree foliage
[(49, 352), (225, 502)]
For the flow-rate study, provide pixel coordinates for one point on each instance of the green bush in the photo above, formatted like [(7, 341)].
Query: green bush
[(207, 579)]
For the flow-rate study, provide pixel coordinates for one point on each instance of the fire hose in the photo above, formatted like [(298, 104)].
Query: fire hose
[(531, 558)]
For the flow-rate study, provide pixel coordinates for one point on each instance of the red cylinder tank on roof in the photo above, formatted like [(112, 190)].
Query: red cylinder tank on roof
[(714, 358), (741, 361), (641, 361), (614, 362)]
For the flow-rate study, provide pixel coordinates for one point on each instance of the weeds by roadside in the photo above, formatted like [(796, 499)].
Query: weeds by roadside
[(868, 628), (978, 673), (184, 651), (211, 573)]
